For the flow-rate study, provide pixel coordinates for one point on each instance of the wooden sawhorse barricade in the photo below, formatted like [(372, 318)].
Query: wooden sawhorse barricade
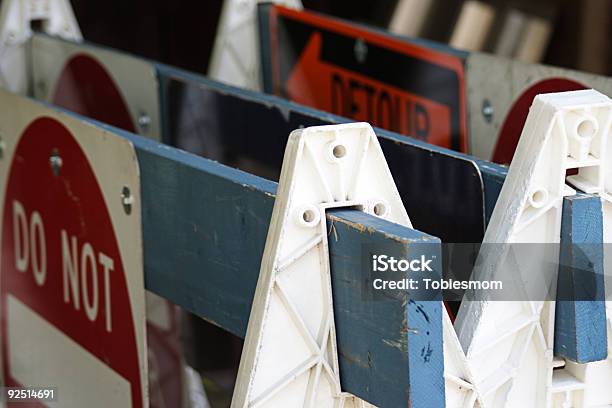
[(197, 229)]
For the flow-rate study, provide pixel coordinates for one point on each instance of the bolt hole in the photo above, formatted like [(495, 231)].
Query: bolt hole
[(586, 128), (539, 198), (339, 151), (380, 209), (308, 216)]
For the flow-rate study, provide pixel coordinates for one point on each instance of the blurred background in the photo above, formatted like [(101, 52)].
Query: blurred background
[(567, 33)]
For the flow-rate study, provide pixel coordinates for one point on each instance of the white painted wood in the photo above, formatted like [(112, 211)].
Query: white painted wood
[(15, 18), (509, 345), (235, 56)]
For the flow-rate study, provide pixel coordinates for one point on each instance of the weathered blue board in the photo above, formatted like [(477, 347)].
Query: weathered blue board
[(580, 318), (372, 370)]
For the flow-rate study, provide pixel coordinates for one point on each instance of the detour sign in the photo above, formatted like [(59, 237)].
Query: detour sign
[(366, 76)]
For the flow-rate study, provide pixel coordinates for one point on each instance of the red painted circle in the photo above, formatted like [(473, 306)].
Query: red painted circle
[(513, 124), (85, 87), (73, 212)]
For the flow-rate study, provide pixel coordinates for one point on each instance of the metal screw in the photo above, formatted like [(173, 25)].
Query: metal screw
[(361, 51), (55, 161), (487, 110), (127, 199), (144, 121)]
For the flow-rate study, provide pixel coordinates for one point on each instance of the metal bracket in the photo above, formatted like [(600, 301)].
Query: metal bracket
[(510, 344), (16, 17)]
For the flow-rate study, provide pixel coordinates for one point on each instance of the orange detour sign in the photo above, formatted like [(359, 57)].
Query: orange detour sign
[(364, 75)]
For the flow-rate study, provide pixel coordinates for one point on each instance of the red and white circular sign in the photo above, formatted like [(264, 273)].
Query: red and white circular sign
[(67, 316), (86, 86)]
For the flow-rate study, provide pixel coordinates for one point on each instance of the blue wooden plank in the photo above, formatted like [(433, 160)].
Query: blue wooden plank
[(580, 319), (204, 231), (410, 357)]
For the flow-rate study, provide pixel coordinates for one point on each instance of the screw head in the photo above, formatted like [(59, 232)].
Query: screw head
[(144, 121), (487, 110), (127, 199), (361, 50), (55, 161)]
